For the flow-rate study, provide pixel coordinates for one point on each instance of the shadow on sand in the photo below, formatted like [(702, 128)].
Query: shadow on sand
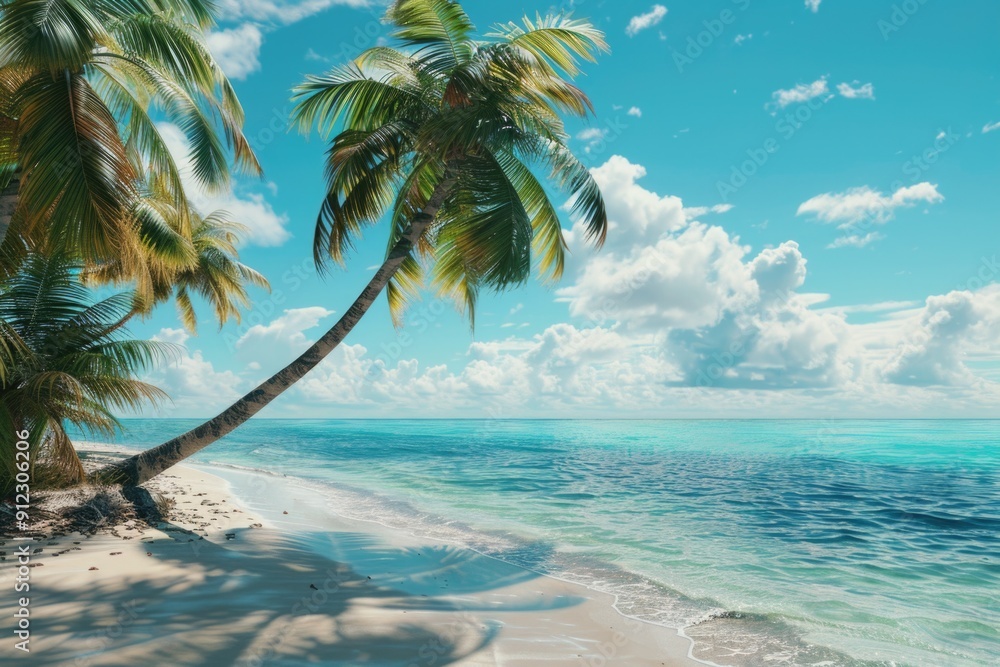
[(261, 598)]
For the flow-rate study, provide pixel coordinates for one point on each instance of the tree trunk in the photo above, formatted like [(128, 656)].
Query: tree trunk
[(8, 203), (143, 467)]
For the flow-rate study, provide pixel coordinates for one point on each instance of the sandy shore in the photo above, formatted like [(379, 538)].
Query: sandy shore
[(251, 571)]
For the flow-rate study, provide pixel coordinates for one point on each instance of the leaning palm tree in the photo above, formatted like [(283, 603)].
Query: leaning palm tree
[(440, 138), (66, 360), (81, 82)]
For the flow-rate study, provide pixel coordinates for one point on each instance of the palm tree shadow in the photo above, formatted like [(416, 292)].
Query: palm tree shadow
[(261, 598)]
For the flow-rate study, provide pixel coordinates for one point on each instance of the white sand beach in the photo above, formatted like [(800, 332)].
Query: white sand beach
[(251, 570)]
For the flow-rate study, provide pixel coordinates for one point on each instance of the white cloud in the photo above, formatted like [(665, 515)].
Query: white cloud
[(266, 227), (696, 287), (675, 318), (191, 381), (990, 127), (813, 5), (636, 215), (285, 332), (880, 307), (739, 39), (855, 240), (947, 329), (643, 21), (803, 92), (852, 206), (593, 136), (635, 111), (237, 50), (516, 309), (693, 212), (855, 91), (564, 366), (685, 280)]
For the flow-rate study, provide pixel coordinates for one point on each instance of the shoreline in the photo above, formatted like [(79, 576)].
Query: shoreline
[(238, 581)]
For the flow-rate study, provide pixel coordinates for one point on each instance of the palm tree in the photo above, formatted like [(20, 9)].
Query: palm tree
[(440, 138), (205, 264), (65, 360), (80, 81)]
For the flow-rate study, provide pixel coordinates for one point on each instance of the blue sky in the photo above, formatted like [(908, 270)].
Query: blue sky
[(803, 198)]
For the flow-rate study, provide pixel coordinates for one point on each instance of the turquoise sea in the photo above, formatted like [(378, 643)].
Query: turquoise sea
[(766, 542)]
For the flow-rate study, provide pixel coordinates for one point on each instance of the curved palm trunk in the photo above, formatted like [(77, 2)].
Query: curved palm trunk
[(8, 202), (143, 467)]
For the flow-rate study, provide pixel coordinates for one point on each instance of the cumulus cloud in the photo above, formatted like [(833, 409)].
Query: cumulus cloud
[(990, 127), (636, 215), (283, 335), (813, 5), (727, 318), (192, 382), (635, 111), (563, 367), (856, 91), (266, 227), (669, 314), (803, 92), (237, 50), (772, 341), (948, 328), (643, 21), (852, 206)]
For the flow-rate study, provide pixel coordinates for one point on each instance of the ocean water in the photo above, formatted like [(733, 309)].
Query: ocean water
[(766, 542)]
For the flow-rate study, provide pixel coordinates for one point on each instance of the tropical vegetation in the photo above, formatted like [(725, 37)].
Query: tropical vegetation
[(450, 138), (66, 360), (91, 195), (440, 137), (84, 167)]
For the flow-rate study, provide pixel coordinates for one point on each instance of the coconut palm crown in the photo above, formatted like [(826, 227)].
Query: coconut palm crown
[(480, 115), (66, 359)]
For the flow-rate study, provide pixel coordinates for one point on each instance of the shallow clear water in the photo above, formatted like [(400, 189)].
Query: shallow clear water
[(769, 542)]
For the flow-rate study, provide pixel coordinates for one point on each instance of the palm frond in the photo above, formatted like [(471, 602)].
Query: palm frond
[(439, 29), (442, 102), (348, 93), (556, 41), (77, 179), (66, 359)]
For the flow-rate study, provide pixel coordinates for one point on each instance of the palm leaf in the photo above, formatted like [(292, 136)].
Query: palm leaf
[(439, 29), (555, 41), (77, 179)]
